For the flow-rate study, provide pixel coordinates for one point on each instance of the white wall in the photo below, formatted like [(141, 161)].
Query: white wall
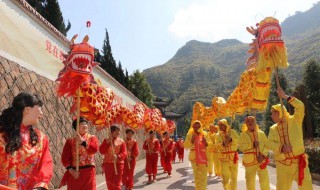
[(26, 40)]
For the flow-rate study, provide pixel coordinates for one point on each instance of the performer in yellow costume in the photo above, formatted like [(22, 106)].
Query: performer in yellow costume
[(213, 159), (198, 141), (227, 144), (255, 160), (286, 141)]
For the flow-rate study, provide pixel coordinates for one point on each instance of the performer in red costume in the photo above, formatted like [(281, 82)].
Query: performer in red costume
[(114, 151), (85, 178), (162, 155), (25, 160), (167, 148), (130, 161), (174, 151), (152, 147), (180, 149)]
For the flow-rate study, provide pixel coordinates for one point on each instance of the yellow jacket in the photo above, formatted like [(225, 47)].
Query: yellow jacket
[(212, 137), (246, 146), (187, 143), (227, 153), (294, 123)]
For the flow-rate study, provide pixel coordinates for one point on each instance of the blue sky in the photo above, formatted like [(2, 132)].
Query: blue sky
[(147, 33)]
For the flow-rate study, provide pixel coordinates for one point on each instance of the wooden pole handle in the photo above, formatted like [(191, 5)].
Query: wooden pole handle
[(113, 151), (77, 129), (282, 110)]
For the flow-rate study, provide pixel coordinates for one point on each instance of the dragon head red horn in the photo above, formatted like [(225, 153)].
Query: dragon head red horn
[(72, 40)]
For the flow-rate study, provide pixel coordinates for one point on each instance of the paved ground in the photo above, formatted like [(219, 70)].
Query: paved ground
[(182, 178)]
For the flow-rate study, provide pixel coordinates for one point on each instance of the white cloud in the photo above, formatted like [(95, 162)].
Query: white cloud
[(213, 20)]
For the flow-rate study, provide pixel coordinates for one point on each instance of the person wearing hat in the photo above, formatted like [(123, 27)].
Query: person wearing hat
[(198, 141), (286, 141), (167, 149), (152, 146), (130, 161), (180, 148), (115, 152), (85, 178), (227, 145), (252, 143), (214, 162)]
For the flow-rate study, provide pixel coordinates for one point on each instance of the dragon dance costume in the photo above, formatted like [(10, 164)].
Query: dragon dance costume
[(167, 149), (180, 149), (128, 172), (214, 164), (113, 180), (87, 176), (250, 161), (198, 155), (294, 165), (30, 166), (228, 156), (152, 147), (174, 151)]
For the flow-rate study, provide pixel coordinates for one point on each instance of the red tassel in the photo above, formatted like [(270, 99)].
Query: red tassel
[(302, 166), (236, 157), (70, 82), (264, 165)]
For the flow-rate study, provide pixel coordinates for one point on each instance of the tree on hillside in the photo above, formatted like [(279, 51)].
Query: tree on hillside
[(141, 88), (274, 99), (185, 125), (301, 94), (121, 75), (50, 10), (311, 80), (108, 63), (38, 5), (126, 80), (97, 56)]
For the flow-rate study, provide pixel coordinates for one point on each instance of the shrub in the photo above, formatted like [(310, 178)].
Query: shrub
[(312, 147), (313, 150)]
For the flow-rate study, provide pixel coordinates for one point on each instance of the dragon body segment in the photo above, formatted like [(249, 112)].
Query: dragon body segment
[(268, 52)]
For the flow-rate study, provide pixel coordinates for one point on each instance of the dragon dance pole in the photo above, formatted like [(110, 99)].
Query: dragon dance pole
[(285, 127), (77, 129), (128, 163), (282, 110), (128, 156), (165, 154), (256, 136), (114, 152)]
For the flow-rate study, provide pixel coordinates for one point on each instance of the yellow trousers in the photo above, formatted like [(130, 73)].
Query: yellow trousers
[(214, 164), (229, 172), (200, 176), (251, 172), (286, 175)]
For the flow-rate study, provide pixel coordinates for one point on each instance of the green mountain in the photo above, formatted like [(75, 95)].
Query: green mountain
[(200, 70)]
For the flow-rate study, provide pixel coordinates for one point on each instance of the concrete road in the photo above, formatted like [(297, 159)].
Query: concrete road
[(182, 178)]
